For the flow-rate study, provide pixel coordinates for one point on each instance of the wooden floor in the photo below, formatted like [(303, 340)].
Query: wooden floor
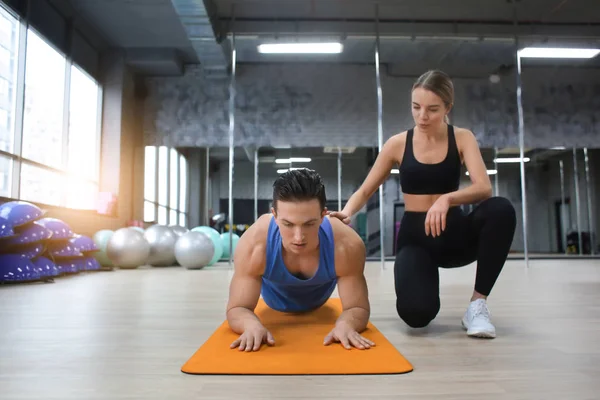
[(125, 335)]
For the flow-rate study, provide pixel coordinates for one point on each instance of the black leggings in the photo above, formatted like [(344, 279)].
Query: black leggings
[(484, 235)]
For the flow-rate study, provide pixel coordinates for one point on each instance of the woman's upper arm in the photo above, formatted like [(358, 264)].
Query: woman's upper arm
[(473, 159), (390, 154)]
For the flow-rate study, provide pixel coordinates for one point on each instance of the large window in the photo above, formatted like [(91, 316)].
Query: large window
[(165, 186), (49, 121), (9, 58), (43, 113)]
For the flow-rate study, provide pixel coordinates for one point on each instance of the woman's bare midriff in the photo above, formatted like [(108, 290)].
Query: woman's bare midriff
[(419, 202)]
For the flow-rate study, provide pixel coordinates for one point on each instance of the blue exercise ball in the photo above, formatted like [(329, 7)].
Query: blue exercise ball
[(60, 229), (45, 267), (225, 243), (6, 228), (214, 236), (14, 268), (28, 234), (20, 212)]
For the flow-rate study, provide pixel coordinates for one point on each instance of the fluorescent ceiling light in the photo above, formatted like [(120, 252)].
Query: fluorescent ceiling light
[(300, 48), (395, 171), (293, 159), (283, 171), (509, 160), (550, 52), (489, 172)]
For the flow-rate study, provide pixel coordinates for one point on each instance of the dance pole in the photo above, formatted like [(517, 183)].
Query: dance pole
[(231, 137), (379, 132), (521, 139)]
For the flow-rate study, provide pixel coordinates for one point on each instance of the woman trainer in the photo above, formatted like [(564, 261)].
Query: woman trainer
[(434, 231)]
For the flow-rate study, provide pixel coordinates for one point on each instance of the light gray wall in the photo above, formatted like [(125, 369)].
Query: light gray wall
[(330, 104)]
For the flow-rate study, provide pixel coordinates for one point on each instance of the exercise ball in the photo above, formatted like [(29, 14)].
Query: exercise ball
[(29, 251), (162, 245), (127, 248), (137, 228), (60, 229), (62, 250), (225, 242), (6, 228), (29, 233), (20, 212), (91, 264), (216, 240), (14, 268), (83, 243), (179, 230), (194, 250), (45, 267), (101, 239)]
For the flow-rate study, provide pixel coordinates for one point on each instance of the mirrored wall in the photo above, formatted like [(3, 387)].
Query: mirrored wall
[(561, 193)]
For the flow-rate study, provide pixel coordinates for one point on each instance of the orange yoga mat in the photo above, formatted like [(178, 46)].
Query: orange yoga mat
[(298, 348)]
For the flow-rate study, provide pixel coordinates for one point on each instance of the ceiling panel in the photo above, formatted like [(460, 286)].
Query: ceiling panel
[(578, 11)]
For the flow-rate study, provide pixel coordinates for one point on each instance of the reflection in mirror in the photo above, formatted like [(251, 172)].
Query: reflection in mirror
[(560, 196)]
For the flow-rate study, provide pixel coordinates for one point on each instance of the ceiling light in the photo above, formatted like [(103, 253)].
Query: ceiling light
[(300, 48), (395, 171), (550, 52), (489, 172), (293, 159), (509, 160), (284, 170)]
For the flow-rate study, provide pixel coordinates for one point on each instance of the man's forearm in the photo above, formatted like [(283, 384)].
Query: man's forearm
[(356, 317), (239, 318)]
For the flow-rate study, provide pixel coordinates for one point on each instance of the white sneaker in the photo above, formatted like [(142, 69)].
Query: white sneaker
[(477, 320)]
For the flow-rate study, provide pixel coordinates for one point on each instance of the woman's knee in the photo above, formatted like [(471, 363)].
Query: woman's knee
[(417, 315), (499, 209), (417, 286)]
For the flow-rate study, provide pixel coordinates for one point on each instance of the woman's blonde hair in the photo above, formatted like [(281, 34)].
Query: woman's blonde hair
[(439, 83)]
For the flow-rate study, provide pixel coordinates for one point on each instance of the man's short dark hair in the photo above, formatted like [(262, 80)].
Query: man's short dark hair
[(299, 185)]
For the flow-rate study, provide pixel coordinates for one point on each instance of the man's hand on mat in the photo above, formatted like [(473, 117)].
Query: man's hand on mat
[(253, 337), (348, 337)]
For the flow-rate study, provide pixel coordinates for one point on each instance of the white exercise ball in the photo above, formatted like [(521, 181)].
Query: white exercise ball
[(194, 250), (179, 230), (127, 248), (162, 241)]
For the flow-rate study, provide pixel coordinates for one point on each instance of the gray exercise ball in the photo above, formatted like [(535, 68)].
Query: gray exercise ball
[(162, 245), (127, 248), (194, 250), (179, 230)]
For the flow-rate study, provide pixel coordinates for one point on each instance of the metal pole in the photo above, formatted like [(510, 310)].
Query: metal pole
[(589, 201), (563, 203), (231, 137), (206, 188), (521, 153), (496, 189), (339, 168), (256, 185), (379, 133), (577, 206)]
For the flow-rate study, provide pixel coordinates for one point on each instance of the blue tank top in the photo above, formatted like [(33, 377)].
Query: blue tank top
[(283, 291)]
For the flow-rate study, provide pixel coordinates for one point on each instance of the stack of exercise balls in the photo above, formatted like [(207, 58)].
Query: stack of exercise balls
[(35, 248)]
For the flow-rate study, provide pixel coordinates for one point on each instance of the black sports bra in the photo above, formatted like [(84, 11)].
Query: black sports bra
[(440, 178)]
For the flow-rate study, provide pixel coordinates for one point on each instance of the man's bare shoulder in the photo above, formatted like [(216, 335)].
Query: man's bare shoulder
[(350, 250), (251, 250)]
